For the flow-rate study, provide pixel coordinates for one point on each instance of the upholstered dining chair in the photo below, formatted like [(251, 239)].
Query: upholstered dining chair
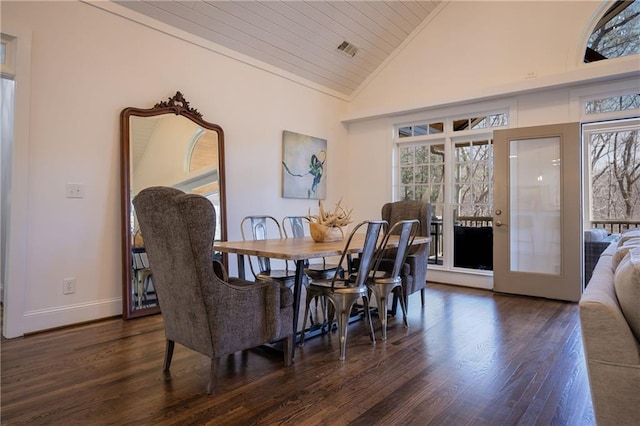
[(414, 275), (202, 308), (382, 282), (342, 292), (262, 227)]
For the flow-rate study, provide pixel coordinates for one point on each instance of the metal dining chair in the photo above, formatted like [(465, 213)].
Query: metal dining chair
[(382, 281), (293, 227), (342, 292), (262, 227)]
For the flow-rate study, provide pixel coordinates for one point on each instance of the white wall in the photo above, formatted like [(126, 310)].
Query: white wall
[(86, 66), (473, 50)]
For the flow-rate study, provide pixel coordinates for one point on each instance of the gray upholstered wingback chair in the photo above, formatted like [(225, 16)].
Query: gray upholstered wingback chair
[(414, 274), (209, 313)]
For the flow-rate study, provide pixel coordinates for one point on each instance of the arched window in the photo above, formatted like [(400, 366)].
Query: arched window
[(616, 34)]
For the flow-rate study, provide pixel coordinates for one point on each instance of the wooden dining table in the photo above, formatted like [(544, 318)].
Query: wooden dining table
[(297, 250)]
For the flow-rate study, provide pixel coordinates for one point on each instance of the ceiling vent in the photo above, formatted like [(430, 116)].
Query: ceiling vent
[(348, 48)]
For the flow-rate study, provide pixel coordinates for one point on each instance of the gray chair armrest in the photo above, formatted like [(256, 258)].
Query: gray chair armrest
[(228, 327), (220, 270)]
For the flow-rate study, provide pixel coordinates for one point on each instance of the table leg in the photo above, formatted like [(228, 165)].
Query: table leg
[(297, 294), (240, 259)]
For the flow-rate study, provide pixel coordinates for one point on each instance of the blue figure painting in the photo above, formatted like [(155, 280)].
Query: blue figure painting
[(303, 166)]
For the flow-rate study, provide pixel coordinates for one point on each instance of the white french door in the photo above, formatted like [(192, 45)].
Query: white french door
[(537, 211)]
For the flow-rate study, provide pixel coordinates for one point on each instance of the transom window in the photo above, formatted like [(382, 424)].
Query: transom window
[(421, 129), (612, 104), (617, 34)]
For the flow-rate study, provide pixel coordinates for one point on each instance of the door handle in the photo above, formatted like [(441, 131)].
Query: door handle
[(498, 223)]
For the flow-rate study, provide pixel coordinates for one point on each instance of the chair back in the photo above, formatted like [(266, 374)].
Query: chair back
[(295, 224), (407, 231), (260, 227), (408, 210), (367, 255), (178, 233)]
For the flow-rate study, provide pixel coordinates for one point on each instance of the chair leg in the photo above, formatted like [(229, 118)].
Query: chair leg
[(342, 305), (213, 374), (306, 315), (330, 312), (403, 306), (422, 294), (394, 306), (342, 316), (287, 345), (168, 354), (382, 294), (367, 313)]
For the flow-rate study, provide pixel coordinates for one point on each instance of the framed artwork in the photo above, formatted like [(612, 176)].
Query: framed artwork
[(303, 166)]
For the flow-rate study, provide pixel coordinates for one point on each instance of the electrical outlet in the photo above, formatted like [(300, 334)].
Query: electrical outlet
[(74, 190), (68, 286)]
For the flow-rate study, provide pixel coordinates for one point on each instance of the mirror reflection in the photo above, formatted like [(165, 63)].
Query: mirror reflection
[(168, 145)]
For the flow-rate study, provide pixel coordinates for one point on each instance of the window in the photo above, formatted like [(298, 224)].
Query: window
[(422, 173), (421, 129), (473, 179), (614, 173), (449, 163), (611, 157), (612, 104), (617, 34)]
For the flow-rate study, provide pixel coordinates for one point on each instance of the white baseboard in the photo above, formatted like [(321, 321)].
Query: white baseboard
[(475, 280), (44, 319)]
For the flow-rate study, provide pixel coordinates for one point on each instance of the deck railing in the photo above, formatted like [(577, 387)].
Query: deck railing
[(436, 249), (615, 226), (474, 221)]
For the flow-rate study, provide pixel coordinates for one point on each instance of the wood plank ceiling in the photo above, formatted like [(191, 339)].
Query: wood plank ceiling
[(299, 37)]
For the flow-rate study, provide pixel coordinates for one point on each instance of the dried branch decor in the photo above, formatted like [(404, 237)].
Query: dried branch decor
[(339, 217), (327, 225)]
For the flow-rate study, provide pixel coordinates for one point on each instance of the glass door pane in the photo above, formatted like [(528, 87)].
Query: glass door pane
[(534, 205)]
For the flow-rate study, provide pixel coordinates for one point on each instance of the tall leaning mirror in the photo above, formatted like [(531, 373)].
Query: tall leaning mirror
[(167, 145)]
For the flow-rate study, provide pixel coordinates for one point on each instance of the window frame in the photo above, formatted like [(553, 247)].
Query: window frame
[(448, 138)]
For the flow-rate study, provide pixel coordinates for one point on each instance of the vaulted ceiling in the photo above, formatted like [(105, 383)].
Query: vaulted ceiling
[(299, 37)]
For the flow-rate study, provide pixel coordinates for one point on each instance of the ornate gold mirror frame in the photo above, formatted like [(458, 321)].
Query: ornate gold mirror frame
[(167, 145)]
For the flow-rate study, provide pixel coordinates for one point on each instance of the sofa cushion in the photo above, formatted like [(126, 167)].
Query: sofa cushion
[(595, 234), (628, 235), (627, 287), (622, 251)]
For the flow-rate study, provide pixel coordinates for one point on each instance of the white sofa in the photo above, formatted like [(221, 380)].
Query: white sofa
[(610, 320), (596, 240)]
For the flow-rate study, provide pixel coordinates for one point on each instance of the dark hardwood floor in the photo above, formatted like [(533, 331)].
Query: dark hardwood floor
[(469, 357)]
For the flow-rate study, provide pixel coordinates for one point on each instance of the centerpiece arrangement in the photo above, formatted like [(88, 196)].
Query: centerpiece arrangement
[(329, 226)]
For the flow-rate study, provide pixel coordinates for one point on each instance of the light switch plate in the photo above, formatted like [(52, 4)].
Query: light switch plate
[(75, 190)]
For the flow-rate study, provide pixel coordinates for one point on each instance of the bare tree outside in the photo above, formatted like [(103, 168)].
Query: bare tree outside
[(615, 175), (474, 171), (617, 34)]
